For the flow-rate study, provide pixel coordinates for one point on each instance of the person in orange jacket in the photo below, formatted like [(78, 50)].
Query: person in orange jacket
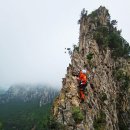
[(82, 84)]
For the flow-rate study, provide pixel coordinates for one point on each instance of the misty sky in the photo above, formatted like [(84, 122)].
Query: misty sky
[(34, 33)]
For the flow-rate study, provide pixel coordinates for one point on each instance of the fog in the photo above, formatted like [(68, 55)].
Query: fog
[(34, 34)]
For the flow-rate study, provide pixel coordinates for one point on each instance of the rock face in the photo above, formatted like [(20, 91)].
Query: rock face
[(107, 107)]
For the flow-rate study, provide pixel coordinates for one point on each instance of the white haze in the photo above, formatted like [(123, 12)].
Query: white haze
[(34, 33)]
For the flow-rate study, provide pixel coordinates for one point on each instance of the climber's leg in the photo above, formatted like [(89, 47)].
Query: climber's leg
[(82, 95)]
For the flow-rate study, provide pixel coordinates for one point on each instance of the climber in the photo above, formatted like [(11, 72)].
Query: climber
[(82, 84)]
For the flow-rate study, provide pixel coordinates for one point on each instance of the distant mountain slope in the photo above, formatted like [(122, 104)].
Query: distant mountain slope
[(2, 91), (28, 93), (23, 107), (16, 115)]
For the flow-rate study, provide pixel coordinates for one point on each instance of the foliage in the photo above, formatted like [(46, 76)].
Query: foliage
[(99, 123), (123, 78), (109, 36), (113, 22), (90, 56), (76, 48), (103, 97), (83, 13), (101, 36), (119, 46), (77, 114), (122, 126), (93, 14), (118, 74), (122, 122), (24, 116), (53, 124), (1, 126)]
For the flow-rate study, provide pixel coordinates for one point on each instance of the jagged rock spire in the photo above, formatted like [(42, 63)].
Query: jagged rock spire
[(89, 23)]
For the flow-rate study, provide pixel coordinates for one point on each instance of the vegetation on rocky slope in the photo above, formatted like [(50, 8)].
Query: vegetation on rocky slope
[(77, 114), (100, 121), (23, 116)]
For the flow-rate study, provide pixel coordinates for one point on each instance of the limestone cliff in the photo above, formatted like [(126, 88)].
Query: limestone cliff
[(107, 107)]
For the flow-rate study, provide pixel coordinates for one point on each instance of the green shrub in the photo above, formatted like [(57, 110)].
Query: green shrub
[(1, 126), (93, 14), (54, 125), (123, 78), (103, 97), (118, 74), (76, 48), (100, 122), (109, 36), (83, 14), (101, 36), (90, 56), (113, 22), (77, 114)]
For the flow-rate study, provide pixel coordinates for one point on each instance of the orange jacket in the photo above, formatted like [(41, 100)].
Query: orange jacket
[(83, 78)]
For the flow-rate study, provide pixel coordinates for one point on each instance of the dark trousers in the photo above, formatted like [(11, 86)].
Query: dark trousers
[(81, 91)]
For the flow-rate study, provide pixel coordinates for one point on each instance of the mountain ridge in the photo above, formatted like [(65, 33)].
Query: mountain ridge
[(101, 47), (27, 92)]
